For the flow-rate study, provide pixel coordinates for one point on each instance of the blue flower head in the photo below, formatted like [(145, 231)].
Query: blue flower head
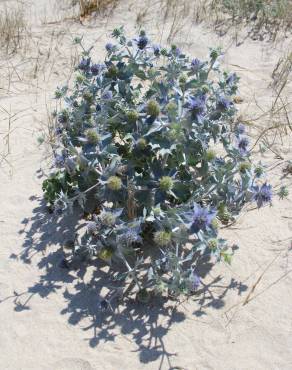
[(202, 218), (240, 129), (262, 194), (223, 104), (156, 50), (109, 47), (142, 42), (243, 144), (197, 106), (84, 64), (194, 281), (96, 69), (196, 65), (231, 79), (108, 95)]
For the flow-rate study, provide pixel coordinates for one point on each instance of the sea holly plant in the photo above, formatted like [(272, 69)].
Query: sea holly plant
[(149, 145)]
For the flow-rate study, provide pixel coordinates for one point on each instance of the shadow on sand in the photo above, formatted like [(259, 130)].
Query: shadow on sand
[(144, 325)]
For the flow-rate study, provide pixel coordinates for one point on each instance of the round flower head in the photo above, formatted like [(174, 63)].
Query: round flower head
[(194, 281), (142, 143), (63, 116), (107, 218), (108, 95), (262, 194), (142, 42), (59, 160), (92, 136), (242, 144), (114, 183), (162, 238), (132, 116), (129, 237), (223, 104), (152, 108), (96, 69), (244, 167), (166, 183), (92, 227), (109, 47), (112, 71), (84, 64), (202, 218), (156, 50), (197, 106), (106, 254), (212, 243), (240, 129)]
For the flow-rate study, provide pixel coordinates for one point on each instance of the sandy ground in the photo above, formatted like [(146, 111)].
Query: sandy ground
[(49, 318)]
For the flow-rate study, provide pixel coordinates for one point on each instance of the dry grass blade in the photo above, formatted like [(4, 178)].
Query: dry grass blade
[(87, 7), (13, 29)]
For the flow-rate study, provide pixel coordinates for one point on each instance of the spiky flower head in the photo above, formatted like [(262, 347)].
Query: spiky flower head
[(194, 281), (259, 171), (108, 95), (63, 116), (130, 237), (231, 79), (87, 95), (106, 254), (197, 106), (223, 104), (80, 78), (205, 89), (142, 143), (283, 192), (212, 243), (132, 116), (156, 50), (84, 64), (262, 194), (240, 129), (92, 227), (162, 238), (109, 47), (114, 183), (112, 71), (166, 183), (244, 167), (107, 218), (153, 108), (142, 42), (202, 218), (196, 65), (92, 136), (223, 214), (183, 79), (210, 155), (171, 107), (96, 69), (242, 144)]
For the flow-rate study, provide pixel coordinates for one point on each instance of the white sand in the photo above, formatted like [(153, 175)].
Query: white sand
[(49, 318)]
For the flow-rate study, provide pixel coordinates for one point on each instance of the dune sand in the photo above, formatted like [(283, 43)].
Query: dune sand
[(49, 317)]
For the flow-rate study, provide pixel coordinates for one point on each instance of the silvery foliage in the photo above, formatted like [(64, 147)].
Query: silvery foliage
[(149, 141)]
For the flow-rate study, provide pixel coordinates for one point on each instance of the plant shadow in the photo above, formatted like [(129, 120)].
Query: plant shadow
[(145, 324)]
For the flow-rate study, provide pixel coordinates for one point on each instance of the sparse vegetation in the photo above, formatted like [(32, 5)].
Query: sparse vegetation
[(13, 28)]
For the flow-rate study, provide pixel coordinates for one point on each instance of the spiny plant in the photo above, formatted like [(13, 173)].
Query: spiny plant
[(149, 145)]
